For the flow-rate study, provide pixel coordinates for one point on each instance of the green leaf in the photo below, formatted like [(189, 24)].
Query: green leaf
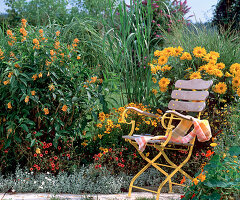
[(38, 134), (74, 99), (17, 138), (28, 135), (33, 142), (24, 127), (234, 151), (7, 144)]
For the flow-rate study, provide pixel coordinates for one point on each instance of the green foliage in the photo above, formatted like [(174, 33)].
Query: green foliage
[(47, 92), (227, 15)]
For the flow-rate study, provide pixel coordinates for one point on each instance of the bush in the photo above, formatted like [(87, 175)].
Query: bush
[(48, 93)]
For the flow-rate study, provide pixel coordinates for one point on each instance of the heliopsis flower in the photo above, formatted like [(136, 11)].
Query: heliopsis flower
[(78, 57), (213, 144), (99, 125), (9, 105), (164, 82), (166, 68), (64, 108), (158, 53), (195, 75), (210, 58), (24, 21), (163, 89), (162, 60), (33, 92), (199, 52), (195, 181), (186, 56), (154, 80), (169, 51), (227, 74), (46, 111), (177, 51), (236, 81), (214, 53), (218, 73), (220, 88), (26, 99)]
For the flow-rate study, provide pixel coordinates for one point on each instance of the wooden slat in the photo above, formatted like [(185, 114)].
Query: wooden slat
[(190, 95), (187, 106), (195, 84)]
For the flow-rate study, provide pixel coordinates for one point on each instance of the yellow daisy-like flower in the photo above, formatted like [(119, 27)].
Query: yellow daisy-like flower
[(220, 65), (208, 57), (100, 136), (202, 177), (169, 51), (40, 75), (234, 68), (220, 88), (166, 68), (158, 53), (162, 60), (214, 53), (213, 144), (9, 105), (99, 125), (26, 99), (163, 89), (236, 81), (199, 52), (177, 51), (227, 74), (195, 181), (163, 83), (153, 69), (64, 108), (186, 56), (154, 80), (218, 73), (195, 75), (34, 77)]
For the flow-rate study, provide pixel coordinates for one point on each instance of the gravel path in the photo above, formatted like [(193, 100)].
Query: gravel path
[(123, 196)]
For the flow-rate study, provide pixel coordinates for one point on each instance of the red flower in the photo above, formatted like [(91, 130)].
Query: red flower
[(203, 154), (99, 166), (47, 146), (122, 165), (119, 164), (53, 165), (96, 166), (44, 143), (116, 158), (38, 168), (31, 169), (41, 155), (193, 195), (59, 148), (35, 155), (46, 152), (35, 165), (53, 169), (120, 153), (134, 155), (55, 157), (109, 149), (182, 196), (50, 144), (34, 132)]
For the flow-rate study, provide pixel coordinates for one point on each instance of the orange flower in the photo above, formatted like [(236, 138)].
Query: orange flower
[(78, 57), (6, 82), (9, 105), (40, 75), (76, 40), (9, 32), (46, 111), (195, 181), (64, 108), (57, 33), (26, 99), (52, 52), (24, 21), (35, 41), (41, 31), (34, 77), (51, 87), (183, 180), (33, 92)]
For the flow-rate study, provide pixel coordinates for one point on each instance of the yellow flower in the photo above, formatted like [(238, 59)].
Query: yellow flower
[(46, 111), (64, 108), (220, 88), (163, 89), (214, 53), (34, 77), (234, 68), (228, 74), (224, 155), (163, 83), (9, 105), (186, 56), (26, 99), (236, 81), (99, 125), (220, 65), (201, 177), (100, 136), (6, 82), (199, 52), (40, 75), (218, 73), (24, 21), (169, 51), (213, 144), (208, 57), (162, 60), (33, 93), (154, 80), (178, 51), (153, 69), (195, 75), (102, 116), (238, 91), (166, 68), (195, 181), (35, 41), (147, 154), (84, 144), (38, 151), (154, 91), (147, 122)]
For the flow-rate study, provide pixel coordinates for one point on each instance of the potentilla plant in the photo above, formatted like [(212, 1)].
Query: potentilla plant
[(45, 88)]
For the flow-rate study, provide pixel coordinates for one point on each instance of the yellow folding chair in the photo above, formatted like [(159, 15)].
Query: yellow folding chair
[(190, 96)]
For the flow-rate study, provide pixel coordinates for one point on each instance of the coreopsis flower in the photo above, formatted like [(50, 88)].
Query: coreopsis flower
[(234, 68), (220, 65), (177, 51), (64, 108), (195, 181), (46, 111), (154, 91), (199, 52), (214, 53), (9, 32), (99, 125), (51, 87), (163, 83), (100, 136), (163, 89), (220, 88), (218, 73), (169, 51)]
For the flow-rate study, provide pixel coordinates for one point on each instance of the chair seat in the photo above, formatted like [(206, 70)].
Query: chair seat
[(155, 141)]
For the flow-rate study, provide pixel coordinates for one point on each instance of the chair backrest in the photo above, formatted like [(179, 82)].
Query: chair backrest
[(190, 96)]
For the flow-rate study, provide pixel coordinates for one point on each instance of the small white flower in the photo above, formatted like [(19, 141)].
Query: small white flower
[(35, 182), (43, 183), (13, 190)]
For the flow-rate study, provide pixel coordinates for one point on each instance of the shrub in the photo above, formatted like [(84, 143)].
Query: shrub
[(47, 90)]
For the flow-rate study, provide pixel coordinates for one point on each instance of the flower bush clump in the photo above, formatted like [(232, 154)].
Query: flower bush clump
[(173, 63), (47, 90)]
